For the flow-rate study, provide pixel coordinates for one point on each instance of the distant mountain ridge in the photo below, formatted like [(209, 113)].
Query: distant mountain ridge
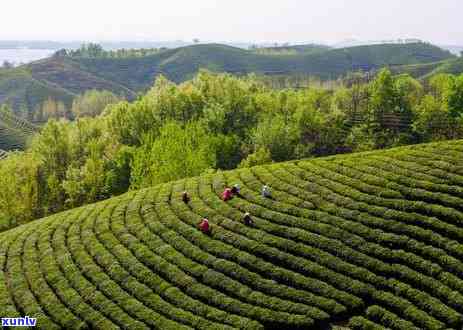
[(62, 78)]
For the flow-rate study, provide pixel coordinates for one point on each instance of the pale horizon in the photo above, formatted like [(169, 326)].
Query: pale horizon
[(328, 22)]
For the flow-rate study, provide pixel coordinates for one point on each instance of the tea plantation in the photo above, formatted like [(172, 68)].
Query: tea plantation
[(15, 132), (373, 239)]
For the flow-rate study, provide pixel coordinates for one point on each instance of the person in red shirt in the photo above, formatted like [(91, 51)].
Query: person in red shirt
[(227, 194), (204, 226)]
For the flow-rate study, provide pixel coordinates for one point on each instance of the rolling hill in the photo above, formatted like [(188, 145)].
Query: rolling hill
[(62, 78), (374, 238), (291, 50), (182, 63), (427, 70)]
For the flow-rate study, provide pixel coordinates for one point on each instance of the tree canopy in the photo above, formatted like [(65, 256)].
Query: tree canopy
[(215, 122)]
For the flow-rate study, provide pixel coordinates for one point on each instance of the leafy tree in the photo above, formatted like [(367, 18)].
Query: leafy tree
[(177, 153), (51, 109), (130, 122), (455, 98), (440, 86), (280, 138), (383, 99), (391, 108), (118, 175), (260, 157), (433, 122), (92, 103), (227, 150), (409, 92), (20, 198), (361, 138), (52, 147), (235, 96)]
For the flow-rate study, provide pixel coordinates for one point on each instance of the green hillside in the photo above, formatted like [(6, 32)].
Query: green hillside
[(454, 66), (291, 50), (374, 238), (19, 89), (182, 63), (62, 78), (427, 70), (14, 132)]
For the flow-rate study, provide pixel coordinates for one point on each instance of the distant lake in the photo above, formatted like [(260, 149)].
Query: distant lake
[(23, 55)]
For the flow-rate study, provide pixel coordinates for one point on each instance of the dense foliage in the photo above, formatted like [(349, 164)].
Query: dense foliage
[(92, 50), (89, 104), (217, 121), (372, 237)]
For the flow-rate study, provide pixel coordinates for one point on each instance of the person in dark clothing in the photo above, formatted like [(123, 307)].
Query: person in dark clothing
[(247, 219), (185, 197), (266, 192), (236, 189)]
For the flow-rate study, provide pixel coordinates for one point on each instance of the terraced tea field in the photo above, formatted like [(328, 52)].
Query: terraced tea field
[(373, 239), (14, 132), (3, 154)]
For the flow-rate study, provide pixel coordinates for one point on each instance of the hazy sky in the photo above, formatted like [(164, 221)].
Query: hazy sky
[(327, 21)]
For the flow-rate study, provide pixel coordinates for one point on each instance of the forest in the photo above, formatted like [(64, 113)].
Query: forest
[(216, 122)]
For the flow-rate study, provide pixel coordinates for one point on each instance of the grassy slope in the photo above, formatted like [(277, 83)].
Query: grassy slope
[(376, 235), (291, 50), (19, 88), (454, 66), (182, 63), (15, 132), (427, 70), (62, 78)]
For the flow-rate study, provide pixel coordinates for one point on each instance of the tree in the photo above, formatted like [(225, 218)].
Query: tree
[(87, 183), (433, 121), (280, 138), (52, 148), (455, 98), (409, 92), (383, 99), (177, 153), (7, 65), (440, 86), (260, 157), (361, 138), (53, 109), (118, 175), (227, 150), (92, 103), (20, 199)]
